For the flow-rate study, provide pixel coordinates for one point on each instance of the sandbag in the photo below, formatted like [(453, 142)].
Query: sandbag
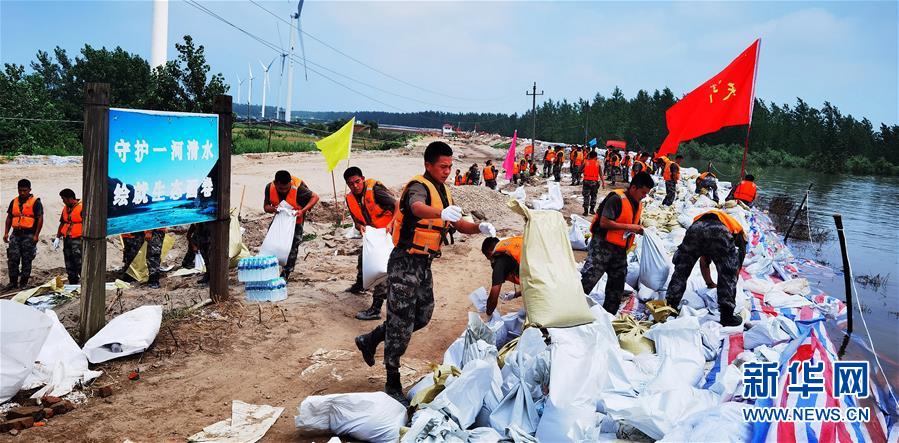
[(679, 344), (376, 248), (519, 194), (551, 202), (464, 396), (551, 287), (723, 423), (770, 331), (127, 334), (427, 389), (655, 265), (580, 227), (60, 365), (236, 247), (280, 234), (23, 331), (366, 416), (630, 335)]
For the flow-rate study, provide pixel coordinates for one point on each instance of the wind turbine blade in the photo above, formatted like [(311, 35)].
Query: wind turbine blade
[(270, 64), (302, 45)]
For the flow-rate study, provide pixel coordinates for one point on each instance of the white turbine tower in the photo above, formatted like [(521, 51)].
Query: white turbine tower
[(299, 34), (280, 82), (160, 34), (250, 91), (265, 83), (239, 87)]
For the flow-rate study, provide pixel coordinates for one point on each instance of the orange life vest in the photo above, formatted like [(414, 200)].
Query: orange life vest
[(626, 161), (643, 168), (515, 168), (666, 173), (704, 175), (458, 180), (529, 150), (291, 197), (511, 247), (628, 216), (488, 173), (550, 155), (72, 222), (731, 223), (745, 191), (372, 214), (523, 165), (560, 157), (533, 167), (426, 234), (23, 215), (615, 160), (591, 170)]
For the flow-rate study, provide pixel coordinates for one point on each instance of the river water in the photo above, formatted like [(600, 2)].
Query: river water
[(870, 211)]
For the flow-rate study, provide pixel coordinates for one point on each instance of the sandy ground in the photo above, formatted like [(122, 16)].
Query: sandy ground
[(274, 354)]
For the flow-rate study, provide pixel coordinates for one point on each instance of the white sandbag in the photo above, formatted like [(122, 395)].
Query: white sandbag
[(598, 293), (479, 340), (453, 354), (248, 424), (478, 298), (377, 245), (723, 423), (655, 265), (366, 416), (60, 365), (679, 344), (464, 397), (656, 413), (518, 194), (351, 233), (127, 334), (518, 404), (23, 331), (550, 282), (770, 331), (553, 201), (279, 238), (633, 274), (577, 234)]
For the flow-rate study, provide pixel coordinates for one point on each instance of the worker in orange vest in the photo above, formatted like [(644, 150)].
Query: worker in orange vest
[(505, 260), (576, 164), (745, 191), (516, 173), (490, 175), (425, 215), (613, 228), (717, 237), (474, 175), (591, 183), (71, 226), (558, 159), (708, 181), (25, 216), (548, 158), (294, 191), (671, 175), (370, 204), (457, 181), (523, 173)]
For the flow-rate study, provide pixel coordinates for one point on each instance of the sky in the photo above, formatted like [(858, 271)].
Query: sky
[(484, 56)]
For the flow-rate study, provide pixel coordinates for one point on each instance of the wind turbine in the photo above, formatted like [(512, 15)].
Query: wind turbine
[(265, 83), (250, 91), (239, 87), (299, 33)]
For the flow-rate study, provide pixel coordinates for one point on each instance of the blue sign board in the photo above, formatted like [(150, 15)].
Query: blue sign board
[(162, 169)]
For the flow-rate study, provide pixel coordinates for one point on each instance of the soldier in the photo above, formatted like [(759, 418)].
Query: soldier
[(425, 215), (548, 157), (557, 163), (71, 225), (25, 216), (592, 179), (613, 229), (370, 204), (474, 175), (671, 175), (286, 187), (717, 237), (133, 242), (708, 181), (576, 165), (199, 238), (490, 175), (745, 191), (505, 260)]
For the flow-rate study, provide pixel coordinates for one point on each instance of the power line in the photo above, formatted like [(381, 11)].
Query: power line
[(41, 120), (421, 88)]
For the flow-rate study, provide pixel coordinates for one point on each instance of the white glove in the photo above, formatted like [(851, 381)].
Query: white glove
[(56, 243), (451, 214), (487, 229), (506, 296)]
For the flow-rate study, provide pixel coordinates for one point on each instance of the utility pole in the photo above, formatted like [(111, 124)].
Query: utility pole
[(586, 111), (534, 95)]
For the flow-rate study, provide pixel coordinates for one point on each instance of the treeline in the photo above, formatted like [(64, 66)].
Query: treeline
[(41, 109)]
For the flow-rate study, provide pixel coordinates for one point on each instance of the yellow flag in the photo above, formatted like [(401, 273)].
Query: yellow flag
[(336, 147)]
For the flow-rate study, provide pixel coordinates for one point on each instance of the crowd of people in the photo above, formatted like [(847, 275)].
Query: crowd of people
[(420, 221)]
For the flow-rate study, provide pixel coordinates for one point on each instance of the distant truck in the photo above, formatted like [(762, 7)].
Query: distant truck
[(448, 130)]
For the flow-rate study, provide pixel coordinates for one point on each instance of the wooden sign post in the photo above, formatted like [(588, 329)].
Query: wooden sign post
[(218, 265)]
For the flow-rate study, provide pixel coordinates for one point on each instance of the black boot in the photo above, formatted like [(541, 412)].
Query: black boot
[(585, 212), (23, 282), (372, 313), (728, 318), (11, 286), (153, 282), (204, 280), (356, 288), (394, 387), (367, 347), (285, 274)]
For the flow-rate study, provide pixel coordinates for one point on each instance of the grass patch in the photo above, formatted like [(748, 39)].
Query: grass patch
[(309, 237), (503, 146)]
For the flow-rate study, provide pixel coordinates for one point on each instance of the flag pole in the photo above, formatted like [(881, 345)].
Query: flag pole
[(751, 108), (745, 153)]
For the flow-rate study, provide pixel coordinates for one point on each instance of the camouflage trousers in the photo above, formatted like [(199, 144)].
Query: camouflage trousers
[(709, 184), (575, 174), (590, 189), (71, 252), (294, 248), (410, 303), (670, 192), (154, 251), (379, 292), (21, 250), (605, 258), (709, 239), (201, 239), (547, 168), (557, 172), (490, 184)]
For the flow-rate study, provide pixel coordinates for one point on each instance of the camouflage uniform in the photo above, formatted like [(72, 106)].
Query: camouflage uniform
[(154, 253), (130, 250), (708, 237), (557, 170), (202, 239), (410, 303), (605, 258), (71, 252), (547, 167), (709, 183), (294, 248), (590, 189), (670, 192), (22, 249), (490, 184)]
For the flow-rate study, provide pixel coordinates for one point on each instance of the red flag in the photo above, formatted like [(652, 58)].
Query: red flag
[(509, 163), (725, 100)]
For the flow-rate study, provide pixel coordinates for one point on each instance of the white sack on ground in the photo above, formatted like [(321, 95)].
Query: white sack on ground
[(723, 423), (248, 424), (580, 227), (60, 365), (655, 265), (280, 234), (23, 331), (464, 397), (366, 416), (127, 334), (550, 282), (519, 385), (478, 298), (770, 331), (376, 248), (552, 202), (655, 413), (679, 344)]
